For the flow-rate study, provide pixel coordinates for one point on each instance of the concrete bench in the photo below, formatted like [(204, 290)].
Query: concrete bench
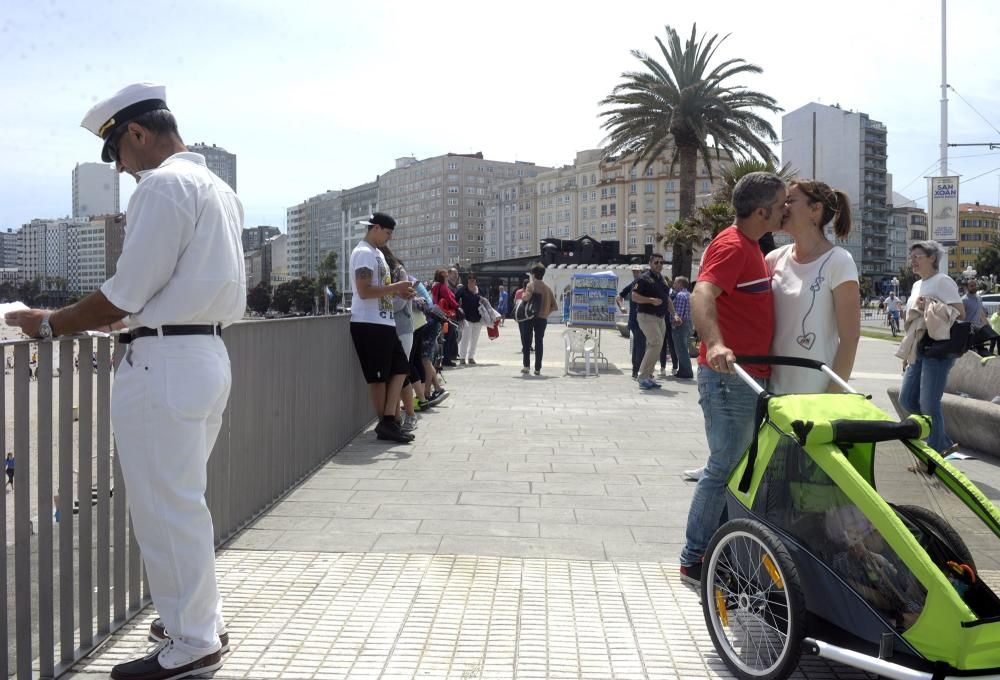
[(970, 417)]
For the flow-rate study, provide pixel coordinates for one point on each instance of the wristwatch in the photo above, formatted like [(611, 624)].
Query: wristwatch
[(45, 329)]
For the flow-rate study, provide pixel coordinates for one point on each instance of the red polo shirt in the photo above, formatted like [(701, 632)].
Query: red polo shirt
[(734, 263)]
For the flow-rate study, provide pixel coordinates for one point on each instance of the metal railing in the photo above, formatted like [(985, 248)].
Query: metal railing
[(75, 577)]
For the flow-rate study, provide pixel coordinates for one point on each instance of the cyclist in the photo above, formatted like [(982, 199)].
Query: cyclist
[(892, 305)]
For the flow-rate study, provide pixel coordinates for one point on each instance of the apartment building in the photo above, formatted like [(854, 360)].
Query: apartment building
[(848, 151), (96, 190), (356, 204), (312, 228), (254, 237), (218, 160), (440, 205), (605, 199), (978, 226)]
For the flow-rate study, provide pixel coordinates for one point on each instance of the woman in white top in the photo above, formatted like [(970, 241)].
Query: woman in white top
[(817, 305), (924, 380)]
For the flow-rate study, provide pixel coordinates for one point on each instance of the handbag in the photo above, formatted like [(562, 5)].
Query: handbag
[(955, 346), (526, 310)]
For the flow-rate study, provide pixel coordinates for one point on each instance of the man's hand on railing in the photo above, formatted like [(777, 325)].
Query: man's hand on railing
[(28, 320)]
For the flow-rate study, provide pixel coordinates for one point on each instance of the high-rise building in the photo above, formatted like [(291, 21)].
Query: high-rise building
[(356, 204), (44, 250), (848, 151), (218, 160), (308, 222), (276, 260), (978, 226), (440, 207), (254, 237), (907, 224), (8, 249), (96, 190)]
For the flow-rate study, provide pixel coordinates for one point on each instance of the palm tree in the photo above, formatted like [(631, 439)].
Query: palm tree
[(677, 105), (733, 173)]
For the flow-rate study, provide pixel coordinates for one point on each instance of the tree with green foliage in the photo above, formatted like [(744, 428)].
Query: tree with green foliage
[(259, 298), (282, 300), (677, 105), (988, 260), (303, 294)]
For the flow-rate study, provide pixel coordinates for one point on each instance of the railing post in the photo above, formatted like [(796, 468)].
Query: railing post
[(46, 609), (22, 508)]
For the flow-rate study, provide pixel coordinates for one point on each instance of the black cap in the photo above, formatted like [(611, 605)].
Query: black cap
[(380, 219)]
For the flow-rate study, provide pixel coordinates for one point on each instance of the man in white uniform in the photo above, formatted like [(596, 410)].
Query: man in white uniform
[(180, 280)]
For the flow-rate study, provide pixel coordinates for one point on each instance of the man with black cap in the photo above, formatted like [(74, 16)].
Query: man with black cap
[(373, 327), (180, 279)]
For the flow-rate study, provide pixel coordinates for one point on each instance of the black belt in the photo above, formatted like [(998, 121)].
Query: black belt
[(144, 332)]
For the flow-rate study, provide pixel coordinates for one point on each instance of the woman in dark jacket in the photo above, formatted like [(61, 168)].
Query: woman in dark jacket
[(469, 299)]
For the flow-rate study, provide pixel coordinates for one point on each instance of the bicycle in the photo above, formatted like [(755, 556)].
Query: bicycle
[(893, 323)]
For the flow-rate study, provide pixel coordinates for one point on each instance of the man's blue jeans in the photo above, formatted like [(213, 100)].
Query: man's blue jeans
[(729, 405), (682, 335), (923, 387)]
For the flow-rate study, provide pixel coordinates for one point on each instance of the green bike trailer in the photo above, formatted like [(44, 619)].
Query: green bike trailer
[(844, 539)]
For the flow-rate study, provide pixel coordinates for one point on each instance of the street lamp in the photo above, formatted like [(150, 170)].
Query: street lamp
[(969, 273), (895, 285)]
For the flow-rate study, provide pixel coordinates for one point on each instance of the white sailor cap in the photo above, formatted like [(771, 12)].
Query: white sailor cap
[(126, 104)]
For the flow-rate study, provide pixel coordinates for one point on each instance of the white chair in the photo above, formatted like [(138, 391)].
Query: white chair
[(579, 345)]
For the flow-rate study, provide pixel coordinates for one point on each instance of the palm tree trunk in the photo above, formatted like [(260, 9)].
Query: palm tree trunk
[(689, 176)]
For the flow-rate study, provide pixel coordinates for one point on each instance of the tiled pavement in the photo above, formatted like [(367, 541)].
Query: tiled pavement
[(531, 531)]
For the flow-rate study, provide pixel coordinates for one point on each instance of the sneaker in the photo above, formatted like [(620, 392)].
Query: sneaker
[(166, 662), (437, 397), (461, 362), (525, 371), (158, 633), (422, 405), (409, 423), (538, 371), (647, 384), (472, 362), (695, 474), (635, 376), (656, 385), (449, 363), (691, 574), (392, 432)]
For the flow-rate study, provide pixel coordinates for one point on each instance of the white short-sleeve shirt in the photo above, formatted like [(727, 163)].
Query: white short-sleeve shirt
[(373, 310), (940, 287), (182, 258), (805, 320)]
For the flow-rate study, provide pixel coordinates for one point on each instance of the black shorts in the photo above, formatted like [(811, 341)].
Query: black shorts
[(380, 351)]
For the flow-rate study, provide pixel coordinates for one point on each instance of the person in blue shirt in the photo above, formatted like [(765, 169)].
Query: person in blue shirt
[(9, 469)]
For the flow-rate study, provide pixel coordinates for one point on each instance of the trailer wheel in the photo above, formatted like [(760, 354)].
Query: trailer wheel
[(753, 602), (929, 521)]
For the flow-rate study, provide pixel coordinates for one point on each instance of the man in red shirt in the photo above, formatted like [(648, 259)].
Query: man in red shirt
[(733, 311)]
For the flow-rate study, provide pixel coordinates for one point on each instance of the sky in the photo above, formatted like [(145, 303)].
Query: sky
[(313, 96)]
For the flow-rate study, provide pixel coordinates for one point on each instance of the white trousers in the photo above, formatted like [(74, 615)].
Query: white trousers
[(470, 339), (166, 410)]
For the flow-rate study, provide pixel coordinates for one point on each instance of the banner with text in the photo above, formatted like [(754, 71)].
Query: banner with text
[(942, 208)]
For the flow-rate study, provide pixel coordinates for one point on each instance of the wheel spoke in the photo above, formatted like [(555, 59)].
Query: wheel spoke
[(752, 614)]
